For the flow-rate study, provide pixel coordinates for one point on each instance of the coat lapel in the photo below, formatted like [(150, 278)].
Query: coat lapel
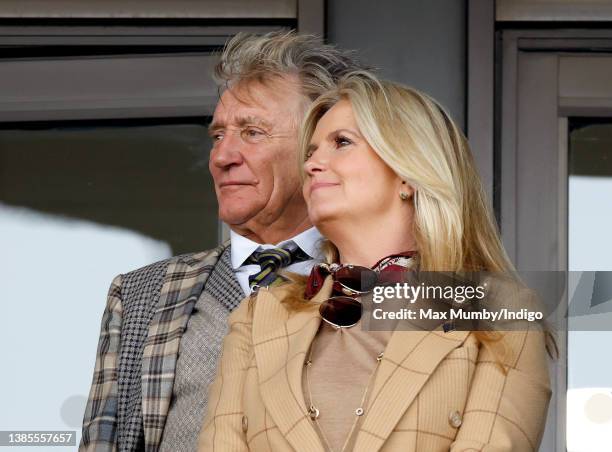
[(409, 360), (182, 286), (282, 341)]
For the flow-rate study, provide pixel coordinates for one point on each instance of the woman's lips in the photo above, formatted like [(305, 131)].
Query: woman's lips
[(318, 185)]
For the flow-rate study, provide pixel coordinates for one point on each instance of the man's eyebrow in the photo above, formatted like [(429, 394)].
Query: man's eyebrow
[(253, 120), (215, 126), (240, 122)]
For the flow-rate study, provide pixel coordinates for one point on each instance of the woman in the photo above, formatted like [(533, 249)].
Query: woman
[(390, 182)]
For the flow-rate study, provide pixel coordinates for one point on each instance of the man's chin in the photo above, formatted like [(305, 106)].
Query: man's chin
[(236, 218)]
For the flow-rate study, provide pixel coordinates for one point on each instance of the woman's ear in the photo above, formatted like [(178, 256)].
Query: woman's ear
[(405, 190)]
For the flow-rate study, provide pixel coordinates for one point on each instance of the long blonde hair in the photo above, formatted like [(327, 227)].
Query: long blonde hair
[(453, 223), (454, 227)]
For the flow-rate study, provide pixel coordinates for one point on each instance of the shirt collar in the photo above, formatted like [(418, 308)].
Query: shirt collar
[(242, 247)]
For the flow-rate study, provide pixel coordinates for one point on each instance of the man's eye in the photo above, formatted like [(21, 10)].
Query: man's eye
[(251, 132), (216, 136), (253, 135)]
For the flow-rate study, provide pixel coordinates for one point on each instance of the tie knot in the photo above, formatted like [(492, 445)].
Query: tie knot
[(271, 260), (275, 258)]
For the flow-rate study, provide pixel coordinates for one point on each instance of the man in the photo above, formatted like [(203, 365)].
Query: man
[(163, 325)]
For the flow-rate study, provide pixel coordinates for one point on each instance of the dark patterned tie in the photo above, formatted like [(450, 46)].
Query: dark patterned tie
[(271, 260)]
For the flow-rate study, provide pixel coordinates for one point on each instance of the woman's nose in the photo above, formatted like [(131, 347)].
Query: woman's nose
[(311, 167), (316, 163)]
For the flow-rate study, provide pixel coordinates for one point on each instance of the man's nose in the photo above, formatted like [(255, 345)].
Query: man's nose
[(227, 152)]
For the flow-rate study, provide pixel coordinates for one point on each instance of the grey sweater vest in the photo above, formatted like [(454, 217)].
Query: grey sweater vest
[(199, 351)]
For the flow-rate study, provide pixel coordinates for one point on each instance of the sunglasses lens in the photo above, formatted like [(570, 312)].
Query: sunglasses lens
[(359, 279), (341, 311)]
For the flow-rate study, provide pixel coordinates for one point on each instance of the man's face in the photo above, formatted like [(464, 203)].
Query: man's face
[(253, 159)]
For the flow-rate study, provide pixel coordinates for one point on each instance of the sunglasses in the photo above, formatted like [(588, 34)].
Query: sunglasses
[(344, 311)]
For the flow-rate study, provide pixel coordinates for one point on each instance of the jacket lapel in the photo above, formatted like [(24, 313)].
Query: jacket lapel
[(282, 341), (182, 286), (409, 360)]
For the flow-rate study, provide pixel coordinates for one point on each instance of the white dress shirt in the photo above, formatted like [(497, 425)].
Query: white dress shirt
[(241, 247)]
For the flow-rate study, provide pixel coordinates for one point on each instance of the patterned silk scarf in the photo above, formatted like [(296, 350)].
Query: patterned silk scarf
[(390, 269)]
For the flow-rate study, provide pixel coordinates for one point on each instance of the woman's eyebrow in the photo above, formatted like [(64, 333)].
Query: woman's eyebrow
[(339, 131)]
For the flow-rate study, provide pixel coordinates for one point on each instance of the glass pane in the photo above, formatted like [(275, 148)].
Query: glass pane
[(589, 401), (79, 204)]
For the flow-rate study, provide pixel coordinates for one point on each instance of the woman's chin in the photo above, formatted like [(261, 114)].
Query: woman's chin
[(323, 217)]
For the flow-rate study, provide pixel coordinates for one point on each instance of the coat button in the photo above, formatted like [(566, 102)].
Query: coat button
[(245, 424), (454, 419)]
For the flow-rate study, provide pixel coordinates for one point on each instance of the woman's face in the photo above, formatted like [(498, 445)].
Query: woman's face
[(346, 180)]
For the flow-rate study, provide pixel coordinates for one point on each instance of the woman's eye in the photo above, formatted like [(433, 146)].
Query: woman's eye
[(342, 141)]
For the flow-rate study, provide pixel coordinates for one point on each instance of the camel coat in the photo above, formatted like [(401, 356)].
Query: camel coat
[(433, 391)]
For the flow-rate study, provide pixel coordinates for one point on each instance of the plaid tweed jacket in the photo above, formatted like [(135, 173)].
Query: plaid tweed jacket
[(146, 314), (433, 392)]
